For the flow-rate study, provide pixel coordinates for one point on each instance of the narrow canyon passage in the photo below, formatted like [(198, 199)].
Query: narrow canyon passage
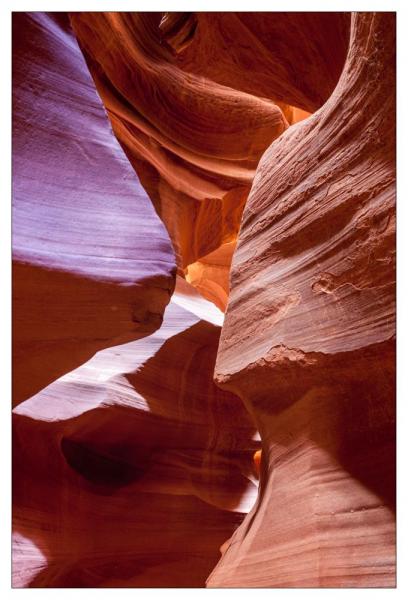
[(143, 469), (170, 168)]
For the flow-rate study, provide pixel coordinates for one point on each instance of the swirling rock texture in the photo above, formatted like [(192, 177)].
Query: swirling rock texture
[(92, 261), (196, 151), (134, 469), (308, 340), (196, 163), (143, 466)]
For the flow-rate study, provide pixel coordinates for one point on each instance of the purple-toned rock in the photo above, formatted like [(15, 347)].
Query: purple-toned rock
[(93, 264)]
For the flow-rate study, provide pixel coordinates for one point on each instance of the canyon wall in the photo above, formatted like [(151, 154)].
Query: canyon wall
[(196, 98), (309, 337), (146, 144), (133, 470), (92, 263)]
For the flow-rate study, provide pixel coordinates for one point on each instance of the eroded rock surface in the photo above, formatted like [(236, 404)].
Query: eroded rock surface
[(92, 261), (194, 142), (135, 468), (308, 340), (196, 151), (295, 58)]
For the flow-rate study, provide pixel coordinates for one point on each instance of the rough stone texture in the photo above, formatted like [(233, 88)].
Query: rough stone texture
[(133, 469), (308, 340), (92, 261)]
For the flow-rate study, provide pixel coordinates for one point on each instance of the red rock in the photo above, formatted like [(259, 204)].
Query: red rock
[(308, 340), (294, 58), (195, 143), (133, 469), (196, 151), (257, 461), (210, 275)]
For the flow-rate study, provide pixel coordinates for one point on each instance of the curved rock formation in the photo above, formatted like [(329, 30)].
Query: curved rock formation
[(196, 151), (308, 341), (210, 275), (295, 58), (133, 469), (92, 261)]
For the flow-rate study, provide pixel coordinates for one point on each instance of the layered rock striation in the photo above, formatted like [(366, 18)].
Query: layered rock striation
[(196, 152), (142, 466), (309, 337), (92, 263), (268, 138)]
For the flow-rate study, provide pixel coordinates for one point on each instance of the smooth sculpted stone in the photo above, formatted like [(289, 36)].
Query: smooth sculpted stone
[(93, 264), (294, 58), (196, 98), (132, 470), (131, 466), (210, 275), (308, 341), (194, 142)]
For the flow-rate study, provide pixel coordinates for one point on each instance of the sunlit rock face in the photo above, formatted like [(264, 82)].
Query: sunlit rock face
[(210, 275), (92, 261), (139, 443), (194, 143), (195, 99), (133, 469), (308, 340)]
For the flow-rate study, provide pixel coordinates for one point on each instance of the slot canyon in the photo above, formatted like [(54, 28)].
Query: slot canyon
[(203, 300)]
